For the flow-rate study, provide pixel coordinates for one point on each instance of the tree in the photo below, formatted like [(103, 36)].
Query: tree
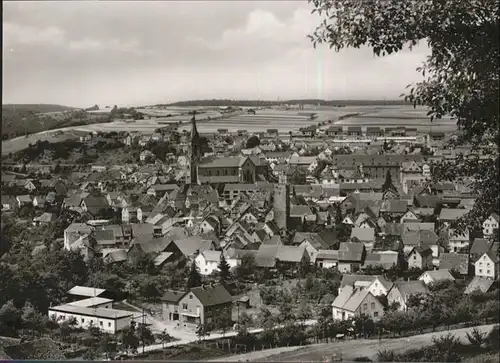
[(144, 335), (10, 319), (388, 182), (201, 331), (461, 71), (224, 269), (32, 319), (247, 266), (129, 340), (164, 338), (252, 142), (476, 337), (108, 346), (194, 279)]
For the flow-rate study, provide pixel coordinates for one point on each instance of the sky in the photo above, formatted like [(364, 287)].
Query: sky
[(81, 53)]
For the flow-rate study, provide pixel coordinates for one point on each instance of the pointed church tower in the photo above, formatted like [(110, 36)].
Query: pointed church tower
[(195, 151)]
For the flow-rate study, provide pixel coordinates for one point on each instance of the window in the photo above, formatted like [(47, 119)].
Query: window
[(373, 305), (83, 320), (185, 306), (109, 325), (480, 263), (375, 314), (191, 297), (414, 257), (365, 306), (100, 323), (480, 271), (488, 264), (488, 272)]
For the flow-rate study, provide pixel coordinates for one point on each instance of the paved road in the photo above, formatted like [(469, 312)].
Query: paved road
[(213, 336), (348, 350)]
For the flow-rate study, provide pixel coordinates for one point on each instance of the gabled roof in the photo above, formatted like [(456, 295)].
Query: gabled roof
[(394, 229), (351, 251), (454, 261), (449, 214), (480, 283), (420, 237), (329, 255), (173, 296), (385, 259), (155, 245), (394, 206), (480, 246), (212, 295), (363, 234), (290, 253), (189, 246), (407, 288), (351, 279), (350, 299), (439, 275)]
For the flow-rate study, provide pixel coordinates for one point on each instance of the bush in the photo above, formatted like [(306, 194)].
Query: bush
[(493, 339), (476, 338), (386, 355)]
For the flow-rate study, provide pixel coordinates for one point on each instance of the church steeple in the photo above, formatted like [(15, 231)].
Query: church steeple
[(195, 151)]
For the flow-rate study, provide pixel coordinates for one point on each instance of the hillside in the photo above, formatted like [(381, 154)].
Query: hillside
[(257, 103), (19, 119), (24, 110)]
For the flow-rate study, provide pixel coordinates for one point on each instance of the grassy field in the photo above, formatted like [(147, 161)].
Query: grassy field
[(283, 120)]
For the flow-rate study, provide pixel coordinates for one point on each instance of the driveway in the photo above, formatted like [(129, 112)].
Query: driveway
[(348, 350)]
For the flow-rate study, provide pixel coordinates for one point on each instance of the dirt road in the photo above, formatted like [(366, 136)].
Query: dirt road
[(348, 350)]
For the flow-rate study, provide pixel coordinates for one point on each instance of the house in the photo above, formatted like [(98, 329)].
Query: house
[(383, 259), (365, 236), (420, 257), (458, 262), (23, 200), (431, 277), (170, 305), (487, 265), (351, 256), (483, 284), (107, 319), (353, 302), (45, 218), (8, 203), (376, 284), (401, 291), (39, 201), (94, 204), (208, 262), (145, 155), (458, 241), (327, 258), (203, 305), (74, 232), (490, 224), (129, 214), (481, 246), (448, 215), (313, 242)]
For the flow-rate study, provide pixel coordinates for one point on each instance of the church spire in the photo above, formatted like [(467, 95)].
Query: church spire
[(195, 151)]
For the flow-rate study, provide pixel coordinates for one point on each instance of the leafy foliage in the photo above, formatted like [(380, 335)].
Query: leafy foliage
[(224, 269), (194, 279)]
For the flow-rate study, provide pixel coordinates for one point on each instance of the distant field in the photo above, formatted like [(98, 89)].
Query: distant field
[(284, 121)]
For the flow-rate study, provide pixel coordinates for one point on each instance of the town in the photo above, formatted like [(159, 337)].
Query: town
[(342, 232), (299, 181)]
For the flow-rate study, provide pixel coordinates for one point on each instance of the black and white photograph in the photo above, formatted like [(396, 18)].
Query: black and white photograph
[(250, 181)]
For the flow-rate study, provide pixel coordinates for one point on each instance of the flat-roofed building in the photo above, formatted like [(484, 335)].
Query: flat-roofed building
[(106, 319)]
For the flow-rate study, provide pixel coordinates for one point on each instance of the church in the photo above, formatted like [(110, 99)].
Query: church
[(222, 170)]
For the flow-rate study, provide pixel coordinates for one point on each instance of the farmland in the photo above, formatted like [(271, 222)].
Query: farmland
[(283, 120)]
